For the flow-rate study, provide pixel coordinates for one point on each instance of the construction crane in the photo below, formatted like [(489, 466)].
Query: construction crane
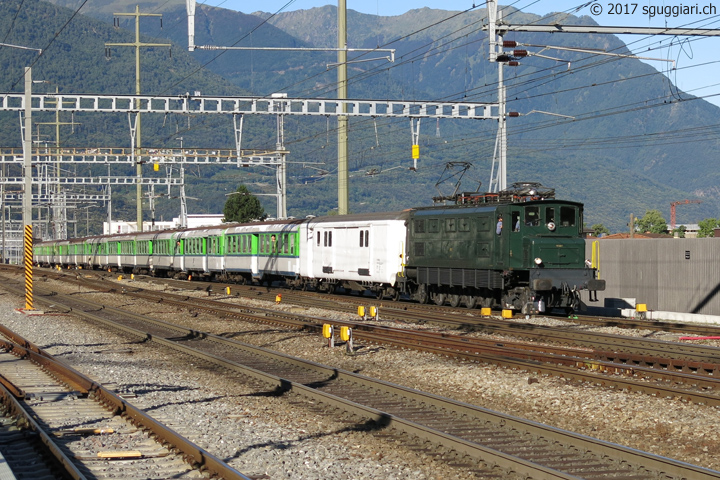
[(672, 210)]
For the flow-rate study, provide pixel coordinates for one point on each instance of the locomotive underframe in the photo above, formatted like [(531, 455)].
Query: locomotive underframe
[(522, 290)]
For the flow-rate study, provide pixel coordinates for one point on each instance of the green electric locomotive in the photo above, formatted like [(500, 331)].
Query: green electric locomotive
[(520, 249)]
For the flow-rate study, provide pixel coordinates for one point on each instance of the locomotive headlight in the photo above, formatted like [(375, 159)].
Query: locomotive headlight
[(538, 261), (551, 226)]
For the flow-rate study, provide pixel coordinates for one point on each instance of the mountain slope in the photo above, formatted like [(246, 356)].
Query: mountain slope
[(633, 143)]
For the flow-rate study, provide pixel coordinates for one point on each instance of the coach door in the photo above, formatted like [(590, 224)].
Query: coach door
[(178, 260), (254, 248)]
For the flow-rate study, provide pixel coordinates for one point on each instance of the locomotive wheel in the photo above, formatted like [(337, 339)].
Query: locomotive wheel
[(470, 301), (454, 300), (438, 298), (422, 295)]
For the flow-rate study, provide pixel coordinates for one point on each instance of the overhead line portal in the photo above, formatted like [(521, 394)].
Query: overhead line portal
[(187, 104)]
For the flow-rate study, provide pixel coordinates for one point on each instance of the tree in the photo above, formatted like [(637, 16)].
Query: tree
[(707, 226), (599, 229), (652, 222), (242, 206), (680, 231)]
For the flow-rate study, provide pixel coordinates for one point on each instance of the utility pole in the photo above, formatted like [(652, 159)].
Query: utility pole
[(498, 173), (59, 207), (27, 191), (497, 29), (137, 44), (343, 198), (183, 201)]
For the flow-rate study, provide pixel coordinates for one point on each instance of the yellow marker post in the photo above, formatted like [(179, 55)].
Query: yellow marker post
[(507, 314), (375, 313), (346, 336), (329, 332), (361, 311), (227, 290), (485, 312)]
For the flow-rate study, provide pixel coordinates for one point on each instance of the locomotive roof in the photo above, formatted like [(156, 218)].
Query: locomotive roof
[(484, 207)]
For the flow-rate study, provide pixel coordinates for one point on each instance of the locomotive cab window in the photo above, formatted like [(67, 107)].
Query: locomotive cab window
[(549, 214), (567, 216), (532, 216)]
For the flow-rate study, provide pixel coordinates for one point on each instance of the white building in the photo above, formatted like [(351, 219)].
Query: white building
[(193, 221)]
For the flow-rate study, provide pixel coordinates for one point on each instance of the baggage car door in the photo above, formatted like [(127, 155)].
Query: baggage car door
[(327, 250)]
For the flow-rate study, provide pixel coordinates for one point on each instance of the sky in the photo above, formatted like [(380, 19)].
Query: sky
[(697, 63)]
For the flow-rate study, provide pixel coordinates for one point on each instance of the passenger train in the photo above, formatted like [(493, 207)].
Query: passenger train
[(518, 249)]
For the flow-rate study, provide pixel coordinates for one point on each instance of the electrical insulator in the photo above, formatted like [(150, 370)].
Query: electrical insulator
[(503, 57), (509, 44), (513, 114), (513, 64), (520, 53)]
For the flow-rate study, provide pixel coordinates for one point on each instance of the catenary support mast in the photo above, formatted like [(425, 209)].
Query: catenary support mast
[(137, 44)]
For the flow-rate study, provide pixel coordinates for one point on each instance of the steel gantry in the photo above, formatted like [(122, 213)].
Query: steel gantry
[(209, 105), (278, 104)]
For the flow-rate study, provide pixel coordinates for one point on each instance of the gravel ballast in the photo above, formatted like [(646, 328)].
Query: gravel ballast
[(272, 437)]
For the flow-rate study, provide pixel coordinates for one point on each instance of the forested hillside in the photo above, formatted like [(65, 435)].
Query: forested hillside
[(628, 141)]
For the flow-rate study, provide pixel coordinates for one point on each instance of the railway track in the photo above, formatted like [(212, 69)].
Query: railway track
[(67, 426), (443, 316), (691, 376), (492, 444)]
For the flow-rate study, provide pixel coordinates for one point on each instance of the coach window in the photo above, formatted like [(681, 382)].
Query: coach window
[(330, 238), (463, 225), (362, 238), (292, 244), (567, 216), (419, 226), (450, 225), (367, 238), (433, 225), (318, 239)]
